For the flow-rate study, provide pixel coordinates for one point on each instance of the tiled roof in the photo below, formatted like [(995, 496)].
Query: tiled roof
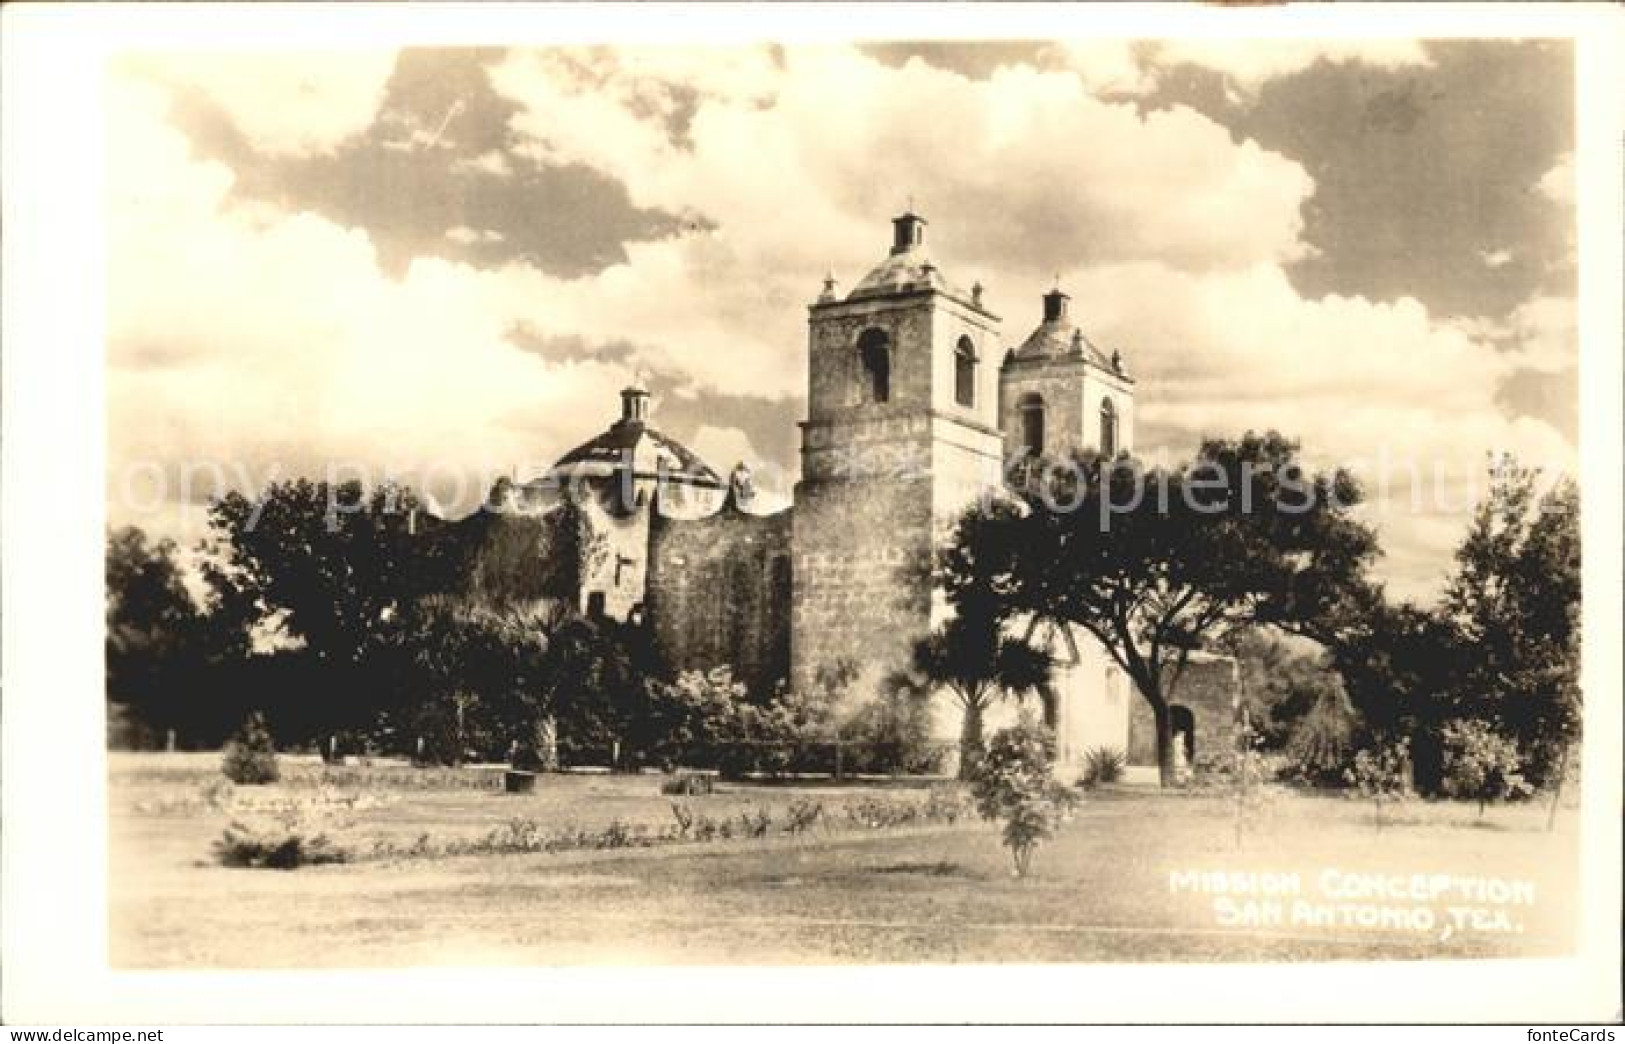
[(1061, 339), (648, 451), (904, 272)]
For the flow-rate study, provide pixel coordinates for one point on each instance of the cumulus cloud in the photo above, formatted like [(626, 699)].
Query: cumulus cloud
[(794, 166), (1557, 184), (1135, 67), (248, 329), (1403, 398), (286, 103), (270, 343), (1544, 333), (1248, 64)]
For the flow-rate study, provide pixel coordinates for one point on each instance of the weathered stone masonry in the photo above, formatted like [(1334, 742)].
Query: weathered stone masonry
[(914, 410)]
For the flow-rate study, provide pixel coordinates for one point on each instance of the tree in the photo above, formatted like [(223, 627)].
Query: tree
[(1015, 783), (328, 569), (250, 755), (1480, 765), (974, 657), (1295, 702), (1158, 562), (593, 679), (1515, 600), (152, 627)]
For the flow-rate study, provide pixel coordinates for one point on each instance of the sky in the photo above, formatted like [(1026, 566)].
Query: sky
[(442, 265)]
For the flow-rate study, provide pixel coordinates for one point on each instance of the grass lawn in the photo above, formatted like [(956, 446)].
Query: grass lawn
[(1099, 892)]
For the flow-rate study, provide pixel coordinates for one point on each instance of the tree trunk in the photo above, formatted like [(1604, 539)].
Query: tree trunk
[(1557, 788), (1166, 771), (970, 741), (547, 743), (1050, 701)]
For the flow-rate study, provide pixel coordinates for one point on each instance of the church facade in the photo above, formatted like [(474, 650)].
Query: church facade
[(915, 407)]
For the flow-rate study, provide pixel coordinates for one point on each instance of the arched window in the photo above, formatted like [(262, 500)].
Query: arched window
[(965, 372), (1108, 428), (874, 353), (1031, 409)]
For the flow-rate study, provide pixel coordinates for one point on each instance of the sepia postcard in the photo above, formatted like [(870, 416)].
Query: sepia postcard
[(596, 513)]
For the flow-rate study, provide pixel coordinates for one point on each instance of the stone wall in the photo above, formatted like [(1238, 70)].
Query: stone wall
[(1207, 690), (860, 593), (718, 593), (1072, 391), (614, 562)]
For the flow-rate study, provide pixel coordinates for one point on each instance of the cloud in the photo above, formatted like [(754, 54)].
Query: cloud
[(270, 343), (286, 103), (1406, 400), (1248, 64), (1495, 258), (1135, 67), (1557, 184), (793, 167), (1544, 333), (464, 234), (724, 447), (250, 331)]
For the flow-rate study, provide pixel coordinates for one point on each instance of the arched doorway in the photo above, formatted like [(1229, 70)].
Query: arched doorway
[(1182, 721)]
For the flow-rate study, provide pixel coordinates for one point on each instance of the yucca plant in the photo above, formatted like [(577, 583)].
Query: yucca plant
[(1103, 765)]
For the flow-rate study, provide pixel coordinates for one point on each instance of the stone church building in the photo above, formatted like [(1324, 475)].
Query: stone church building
[(914, 407)]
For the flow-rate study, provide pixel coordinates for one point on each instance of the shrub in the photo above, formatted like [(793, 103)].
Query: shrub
[(689, 784), (1381, 774), (1318, 743), (1014, 783), (1103, 765), (755, 823), (285, 834), (892, 733), (1480, 765), (684, 816), (946, 803), (801, 814), (250, 756), (274, 846), (695, 719)]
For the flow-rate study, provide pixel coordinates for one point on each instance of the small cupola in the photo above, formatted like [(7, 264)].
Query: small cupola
[(908, 232), (634, 404), (1055, 305)]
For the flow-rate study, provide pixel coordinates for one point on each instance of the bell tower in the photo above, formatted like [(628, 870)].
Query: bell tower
[(1059, 393), (901, 436)]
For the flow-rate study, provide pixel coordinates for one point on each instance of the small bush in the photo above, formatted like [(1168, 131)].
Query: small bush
[(689, 784), (800, 816), (1014, 784), (1480, 765), (947, 803), (1381, 774), (285, 834), (250, 756), (755, 823), (1103, 765), (272, 847)]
